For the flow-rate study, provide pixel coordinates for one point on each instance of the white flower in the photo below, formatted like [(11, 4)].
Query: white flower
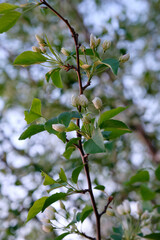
[(105, 45), (145, 215), (124, 58), (126, 206), (97, 102), (65, 52), (75, 101), (120, 210), (83, 101), (50, 213), (47, 228), (58, 127), (139, 208)]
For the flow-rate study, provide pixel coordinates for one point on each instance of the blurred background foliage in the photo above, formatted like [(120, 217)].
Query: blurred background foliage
[(132, 27)]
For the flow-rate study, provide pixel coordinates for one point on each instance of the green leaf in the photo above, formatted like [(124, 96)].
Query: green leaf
[(146, 193), (62, 236), (56, 185), (75, 174), (6, 7), (117, 128), (155, 236), (86, 212), (109, 114), (8, 20), (68, 152), (100, 187), (71, 142), (110, 63), (157, 173), (36, 208), (47, 76), (48, 180), (53, 198), (141, 176), (28, 58), (116, 237), (56, 78), (98, 138), (90, 147), (32, 130), (62, 175), (72, 127), (34, 112)]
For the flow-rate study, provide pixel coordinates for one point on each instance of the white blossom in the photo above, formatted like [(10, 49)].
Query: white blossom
[(49, 213), (75, 101), (124, 58), (47, 228), (139, 208), (83, 101), (106, 45), (126, 206), (120, 210), (58, 127), (97, 102)]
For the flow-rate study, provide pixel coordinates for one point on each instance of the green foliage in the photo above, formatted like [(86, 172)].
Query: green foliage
[(141, 176), (36, 208), (146, 193), (8, 20), (111, 63), (34, 112), (56, 78), (100, 187), (157, 173), (75, 174), (52, 199), (62, 236), (7, 7), (28, 58), (48, 180), (155, 236), (86, 212), (62, 175), (32, 130)]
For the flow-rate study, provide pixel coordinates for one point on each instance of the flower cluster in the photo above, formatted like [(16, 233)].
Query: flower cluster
[(42, 45), (46, 222), (82, 101)]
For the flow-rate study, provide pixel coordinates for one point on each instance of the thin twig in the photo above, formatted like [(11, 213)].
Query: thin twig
[(107, 205)]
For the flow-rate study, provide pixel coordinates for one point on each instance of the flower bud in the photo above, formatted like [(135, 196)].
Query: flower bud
[(120, 210), (92, 41), (47, 228), (126, 206), (86, 66), (58, 127), (110, 212), (40, 41), (124, 58), (65, 52), (106, 45), (86, 119), (75, 101), (73, 228), (43, 50), (145, 215), (45, 221), (83, 101), (139, 208), (97, 102), (50, 213), (36, 49), (82, 48), (97, 41)]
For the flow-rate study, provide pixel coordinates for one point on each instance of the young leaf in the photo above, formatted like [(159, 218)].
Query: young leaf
[(110, 63), (53, 198), (34, 112), (141, 176), (72, 127), (157, 173), (100, 187), (6, 7), (8, 20), (48, 180), (109, 114), (56, 78), (86, 212), (147, 194), (56, 185), (71, 142), (68, 152), (98, 138), (36, 208), (28, 58), (62, 236), (90, 147), (75, 174), (62, 175), (32, 130)]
